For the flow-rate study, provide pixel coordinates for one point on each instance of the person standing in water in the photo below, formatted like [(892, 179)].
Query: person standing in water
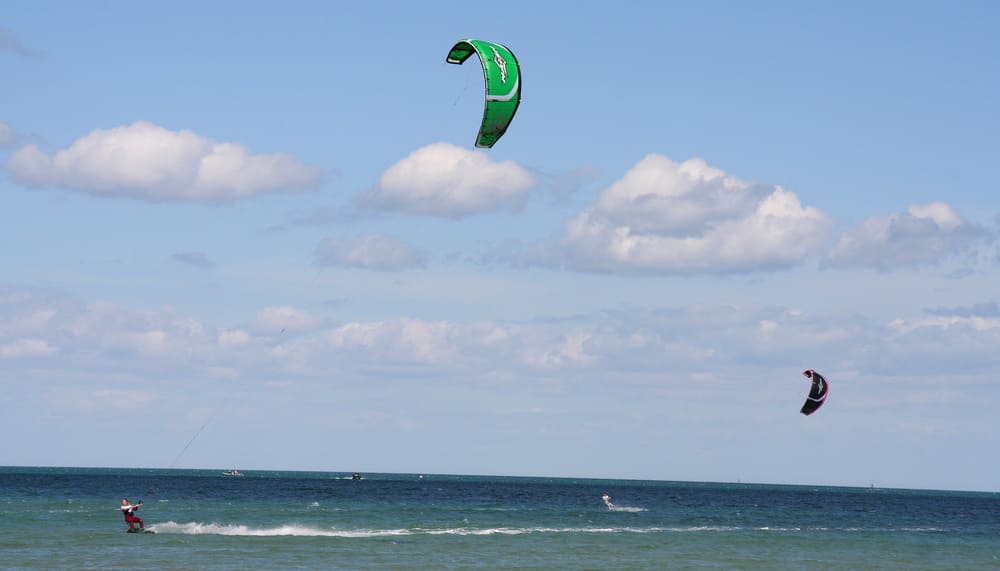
[(128, 510)]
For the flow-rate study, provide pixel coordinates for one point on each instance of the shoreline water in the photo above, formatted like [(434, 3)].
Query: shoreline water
[(329, 520)]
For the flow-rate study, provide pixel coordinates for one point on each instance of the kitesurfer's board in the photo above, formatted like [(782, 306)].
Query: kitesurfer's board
[(139, 531)]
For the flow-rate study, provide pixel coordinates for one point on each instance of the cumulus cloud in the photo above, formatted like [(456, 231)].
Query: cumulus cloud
[(925, 235), (448, 181), (410, 340), (372, 252), (666, 217), (196, 259), (147, 162)]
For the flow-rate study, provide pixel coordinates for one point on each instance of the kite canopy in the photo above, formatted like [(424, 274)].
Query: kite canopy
[(503, 85), (817, 392)]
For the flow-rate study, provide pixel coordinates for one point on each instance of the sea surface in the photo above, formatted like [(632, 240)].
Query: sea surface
[(68, 518)]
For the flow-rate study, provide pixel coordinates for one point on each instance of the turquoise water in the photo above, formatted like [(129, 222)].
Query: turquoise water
[(68, 518)]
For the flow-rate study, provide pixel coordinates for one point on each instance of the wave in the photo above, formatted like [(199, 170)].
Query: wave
[(627, 509), (197, 528)]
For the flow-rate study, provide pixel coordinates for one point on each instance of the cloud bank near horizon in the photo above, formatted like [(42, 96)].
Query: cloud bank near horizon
[(682, 346)]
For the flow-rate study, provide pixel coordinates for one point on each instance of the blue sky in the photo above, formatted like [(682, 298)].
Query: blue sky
[(269, 220)]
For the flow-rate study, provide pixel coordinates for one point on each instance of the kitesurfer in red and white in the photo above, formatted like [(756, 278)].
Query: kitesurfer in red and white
[(128, 510)]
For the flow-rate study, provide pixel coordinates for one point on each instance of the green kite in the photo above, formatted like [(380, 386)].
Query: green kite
[(503, 85)]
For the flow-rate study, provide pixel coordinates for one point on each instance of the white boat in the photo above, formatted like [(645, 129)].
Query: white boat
[(233, 472)]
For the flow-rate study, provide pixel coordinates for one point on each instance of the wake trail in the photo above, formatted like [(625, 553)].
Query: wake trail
[(627, 509), (297, 530)]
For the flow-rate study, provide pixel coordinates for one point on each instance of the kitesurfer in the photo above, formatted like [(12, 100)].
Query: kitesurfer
[(607, 501), (128, 510)]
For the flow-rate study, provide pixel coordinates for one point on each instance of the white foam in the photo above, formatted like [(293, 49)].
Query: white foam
[(627, 509), (707, 528), (197, 528)]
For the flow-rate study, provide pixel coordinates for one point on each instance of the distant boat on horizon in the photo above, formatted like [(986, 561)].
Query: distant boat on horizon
[(233, 472)]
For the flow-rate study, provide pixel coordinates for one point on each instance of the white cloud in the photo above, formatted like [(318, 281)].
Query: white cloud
[(28, 322), (950, 345), (285, 318), (698, 348), (147, 162), (26, 348), (981, 324), (573, 351), (80, 338), (449, 181), (234, 338), (667, 217), (660, 196), (92, 334), (400, 340), (373, 252), (924, 235), (444, 345)]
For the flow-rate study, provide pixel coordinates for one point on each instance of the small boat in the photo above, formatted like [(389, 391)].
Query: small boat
[(233, 472)]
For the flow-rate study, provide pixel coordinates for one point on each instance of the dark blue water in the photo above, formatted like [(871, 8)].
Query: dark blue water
[(69, 518)]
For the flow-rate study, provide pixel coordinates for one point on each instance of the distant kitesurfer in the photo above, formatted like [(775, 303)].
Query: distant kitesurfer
[(607, 501), (128, 510)]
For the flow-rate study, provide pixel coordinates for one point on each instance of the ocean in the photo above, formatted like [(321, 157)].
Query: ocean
[(68, 518)]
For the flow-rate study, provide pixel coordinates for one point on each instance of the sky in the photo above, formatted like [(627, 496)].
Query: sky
[(259, 235)]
